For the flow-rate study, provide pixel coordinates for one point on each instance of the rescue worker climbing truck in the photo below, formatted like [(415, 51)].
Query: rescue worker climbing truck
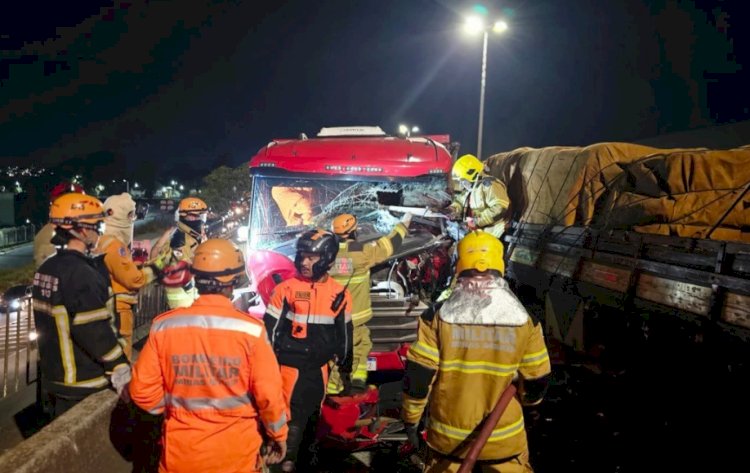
[(300, 184)]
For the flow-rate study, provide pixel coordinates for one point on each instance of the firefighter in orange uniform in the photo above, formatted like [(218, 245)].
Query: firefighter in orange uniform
[(309, 321), (467, 353), (210, 369), (125, 276)]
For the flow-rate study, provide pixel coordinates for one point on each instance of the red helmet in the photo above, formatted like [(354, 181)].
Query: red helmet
[(65, 188)]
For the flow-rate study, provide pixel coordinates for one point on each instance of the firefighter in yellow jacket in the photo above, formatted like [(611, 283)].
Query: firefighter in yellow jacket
[(125, 276), (467, 353), (177, 247), (483, 202), (352, 268)]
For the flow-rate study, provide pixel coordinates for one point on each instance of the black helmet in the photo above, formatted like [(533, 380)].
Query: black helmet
[(319, 242)]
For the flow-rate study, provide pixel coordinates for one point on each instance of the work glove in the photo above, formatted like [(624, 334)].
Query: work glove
[(120, 378), (406, 219), (275, 451), (161, 259), (412, 434)]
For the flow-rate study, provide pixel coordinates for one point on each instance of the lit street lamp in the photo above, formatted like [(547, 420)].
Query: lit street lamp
[(406, 131), (476, 24)]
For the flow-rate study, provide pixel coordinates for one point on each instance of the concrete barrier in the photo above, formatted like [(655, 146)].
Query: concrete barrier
[(78, 441)]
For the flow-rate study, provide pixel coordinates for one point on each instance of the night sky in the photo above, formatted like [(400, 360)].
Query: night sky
[(165, 86)]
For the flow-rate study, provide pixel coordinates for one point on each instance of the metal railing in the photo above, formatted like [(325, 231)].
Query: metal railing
[(17, 346), (15, 235), (151, 302), (19, 354)]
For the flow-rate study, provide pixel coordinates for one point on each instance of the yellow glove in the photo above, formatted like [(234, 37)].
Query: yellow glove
[(162, 258)]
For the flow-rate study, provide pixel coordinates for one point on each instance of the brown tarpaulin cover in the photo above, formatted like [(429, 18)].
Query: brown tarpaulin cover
[(619, 185), (560, 185)]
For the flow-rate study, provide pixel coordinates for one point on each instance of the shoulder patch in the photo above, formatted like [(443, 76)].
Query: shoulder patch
[(487, 181), (121, 251), (355, 246)]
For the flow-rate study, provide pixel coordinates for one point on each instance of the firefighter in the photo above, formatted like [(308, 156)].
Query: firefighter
[(211, 370), (468, 351), (78, 346), (176, 247), (483, 202), (125, 276), (309, 321), (352, 269), (43, 247)]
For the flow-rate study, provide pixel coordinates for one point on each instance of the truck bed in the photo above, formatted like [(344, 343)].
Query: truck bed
[(699, 280)]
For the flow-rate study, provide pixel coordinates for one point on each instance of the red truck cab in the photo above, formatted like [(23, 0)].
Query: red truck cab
[(302, 183)]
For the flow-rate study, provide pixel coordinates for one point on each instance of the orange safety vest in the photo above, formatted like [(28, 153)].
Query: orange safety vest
[(211, 370)]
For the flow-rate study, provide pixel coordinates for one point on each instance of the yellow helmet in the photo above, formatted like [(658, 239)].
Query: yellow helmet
[(344, 224), (467, 167), (77, 210), (481, 251), (218, 260)]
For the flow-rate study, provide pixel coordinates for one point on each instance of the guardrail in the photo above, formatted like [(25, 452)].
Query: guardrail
[(17, 346), (15, 235), (19, 354)]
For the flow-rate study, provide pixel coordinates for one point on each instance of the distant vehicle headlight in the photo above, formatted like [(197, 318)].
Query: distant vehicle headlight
[(242, 233), (15, 304), (237, 210)]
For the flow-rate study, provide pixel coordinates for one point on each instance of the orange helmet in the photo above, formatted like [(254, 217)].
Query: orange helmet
[(344, 224), (77, 210), (218, 262), (192, 206)]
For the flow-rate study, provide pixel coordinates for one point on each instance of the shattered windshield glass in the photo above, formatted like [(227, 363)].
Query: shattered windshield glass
[(283, 207)]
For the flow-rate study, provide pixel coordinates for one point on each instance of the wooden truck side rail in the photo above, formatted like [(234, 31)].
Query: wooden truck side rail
[(691, 278)]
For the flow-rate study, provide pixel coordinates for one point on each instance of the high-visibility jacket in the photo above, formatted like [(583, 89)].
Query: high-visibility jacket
[(463, 360), (210, 369), (353, 264), (125, 276), (77, 340), (43, 248), (306, 331), (486, 202), (181, 247)]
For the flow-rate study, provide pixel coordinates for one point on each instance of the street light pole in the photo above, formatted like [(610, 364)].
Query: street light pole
[(481, 95), (473, 25)]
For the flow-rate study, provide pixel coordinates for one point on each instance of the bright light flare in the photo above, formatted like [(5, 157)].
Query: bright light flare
[(473, 24), (499, 26)]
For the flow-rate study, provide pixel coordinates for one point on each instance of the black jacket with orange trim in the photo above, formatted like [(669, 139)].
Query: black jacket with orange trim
[(305, 329)]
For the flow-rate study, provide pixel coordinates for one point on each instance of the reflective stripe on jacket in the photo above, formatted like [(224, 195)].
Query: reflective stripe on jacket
[(211, 369), (355, 259), (462, 369), (306, 332), (486, 202), (77, 340)]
